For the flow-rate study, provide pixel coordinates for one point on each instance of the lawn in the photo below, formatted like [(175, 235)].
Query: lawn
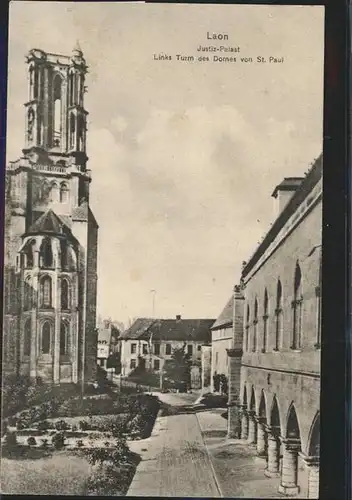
[(39, 473)]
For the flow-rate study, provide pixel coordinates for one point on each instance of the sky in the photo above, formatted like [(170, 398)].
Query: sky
[(184, 155)]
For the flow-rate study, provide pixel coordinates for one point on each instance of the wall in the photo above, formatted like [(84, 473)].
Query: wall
[(221, 340), (291, 375)]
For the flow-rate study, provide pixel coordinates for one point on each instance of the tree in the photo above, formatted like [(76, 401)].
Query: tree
[(114, 361), (178, 369)]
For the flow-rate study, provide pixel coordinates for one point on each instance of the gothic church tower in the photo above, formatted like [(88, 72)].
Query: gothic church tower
[(51, 235)]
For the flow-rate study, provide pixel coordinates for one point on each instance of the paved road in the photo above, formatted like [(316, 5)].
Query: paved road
[(175, 462)]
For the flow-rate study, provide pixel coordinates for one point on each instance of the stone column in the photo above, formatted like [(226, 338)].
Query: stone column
[(273, 467), (261, 438), (244, 423), (235, 360), (312, 464), (252, 429), (289, 473)]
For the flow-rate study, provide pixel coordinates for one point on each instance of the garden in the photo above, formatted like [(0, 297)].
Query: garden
[(90, 430)]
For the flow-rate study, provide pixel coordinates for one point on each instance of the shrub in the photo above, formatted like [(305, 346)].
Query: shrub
[(31, 441), (44, 425), (11, 441), (58, 440), (83, 425), (61, 425), (44, 443), (4, 426)]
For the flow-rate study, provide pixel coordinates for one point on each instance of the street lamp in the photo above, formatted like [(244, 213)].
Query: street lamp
[(153, 303)]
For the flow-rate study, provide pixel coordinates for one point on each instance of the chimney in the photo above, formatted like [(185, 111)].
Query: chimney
[(178, 317), (284, 192)]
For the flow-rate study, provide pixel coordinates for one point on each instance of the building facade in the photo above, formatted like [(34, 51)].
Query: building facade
[(51, 235), (221, 340), (154, 340), (279, 397)]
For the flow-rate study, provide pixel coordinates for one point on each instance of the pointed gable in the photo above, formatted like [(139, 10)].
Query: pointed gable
[(226, 317), (49, 223)]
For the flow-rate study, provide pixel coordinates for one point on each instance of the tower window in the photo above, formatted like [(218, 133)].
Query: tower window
[(57, 111), (28, 294), (65, 302), (29, 255), (72, 130), (45, 292), (54, 192), (46, 337), (278, 314), (46, 253), (27, 338), (63, 338), (297, 309), (64, 193)]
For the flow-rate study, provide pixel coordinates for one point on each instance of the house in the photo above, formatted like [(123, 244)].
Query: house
[(221, 340), (108, 342), (274, 405), (153, 340)]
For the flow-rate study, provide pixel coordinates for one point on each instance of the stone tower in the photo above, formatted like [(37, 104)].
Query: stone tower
[(50, 232)]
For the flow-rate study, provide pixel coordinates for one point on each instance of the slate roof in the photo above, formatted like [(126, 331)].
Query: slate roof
[(305, 187), (49, 223), (169, 329), (226, 317), (104, 334), (83, 213)]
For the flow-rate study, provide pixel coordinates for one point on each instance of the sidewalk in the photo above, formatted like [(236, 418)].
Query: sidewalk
[(239, 471), (175, 462)]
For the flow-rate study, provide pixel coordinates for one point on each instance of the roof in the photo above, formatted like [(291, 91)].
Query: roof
[(83, 213), (169, 329), (226, 317), (104, 334), (288, 184), (306, 186), (49, 223)]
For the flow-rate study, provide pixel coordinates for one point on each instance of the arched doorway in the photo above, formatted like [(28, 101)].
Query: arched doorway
[(262, 439), (274, 445), (252, 425), (291, 448), (244, 418)]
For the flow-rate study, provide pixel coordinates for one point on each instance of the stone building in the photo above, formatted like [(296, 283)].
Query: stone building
[(153, 340), (221, 340), (278, 405), (51, 235)]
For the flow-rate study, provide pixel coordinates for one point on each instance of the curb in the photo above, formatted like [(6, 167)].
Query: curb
[(217, 483)]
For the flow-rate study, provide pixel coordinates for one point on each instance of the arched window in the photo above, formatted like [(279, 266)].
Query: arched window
[(45, 292), (278, 314), (31, 83), (65, 298), (297, 309), (265, 320), (54, 192), (255, 326), (46, 337), (27, 338), (64, 255), (80, 130), (72, 130), (64, 192), (30, 123), (29, 255), (28, 294), (247, 329), (318, 305), (63, 338), (46, 253), (71, 78), (35, 83), (57, 110)]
